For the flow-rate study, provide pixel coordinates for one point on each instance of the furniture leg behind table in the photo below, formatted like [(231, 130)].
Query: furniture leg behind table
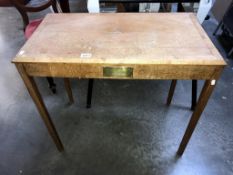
[(35, 94), (171, 91), (202, 101), (65, 7), (52, 85), (193, 97), (89, 92), (68, 89), (194, 94)]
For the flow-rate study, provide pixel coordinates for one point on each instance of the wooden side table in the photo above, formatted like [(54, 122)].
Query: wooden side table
[(120, 46)]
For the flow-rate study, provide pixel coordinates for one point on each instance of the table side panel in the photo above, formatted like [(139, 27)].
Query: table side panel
[(146, 71)]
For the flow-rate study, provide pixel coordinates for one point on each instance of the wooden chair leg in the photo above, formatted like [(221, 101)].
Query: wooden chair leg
[(52, 85), (217, 28), (65, 6), (35, 94), (194, 94), (230, 52), (54, 6), (89, 93), (171, 91), (202, 101), (180, 7), (68, 89)]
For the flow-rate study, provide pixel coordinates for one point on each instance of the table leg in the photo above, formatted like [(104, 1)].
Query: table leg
[(35, 94), (171, 91), (202, 101), (68, 89)]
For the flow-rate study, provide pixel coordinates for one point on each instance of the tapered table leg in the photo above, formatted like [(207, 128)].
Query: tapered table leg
[(171, 91), (202, 101), (68, 89), (35, 94)]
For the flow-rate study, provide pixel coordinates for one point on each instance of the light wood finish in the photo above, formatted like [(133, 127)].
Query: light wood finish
[(171, 91), (203, 99), (68, 90), (35, 94), (156, 46), (140, 71)]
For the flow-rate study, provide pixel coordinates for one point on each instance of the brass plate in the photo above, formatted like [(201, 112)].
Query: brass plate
[(118, 72)]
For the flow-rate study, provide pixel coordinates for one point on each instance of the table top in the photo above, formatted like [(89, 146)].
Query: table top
[(122, 38)]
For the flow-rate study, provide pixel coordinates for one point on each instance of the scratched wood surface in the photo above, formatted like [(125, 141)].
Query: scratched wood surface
[(150, 43)]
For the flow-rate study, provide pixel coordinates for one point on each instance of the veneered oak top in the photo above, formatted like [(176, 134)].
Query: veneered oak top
[(120, 38)]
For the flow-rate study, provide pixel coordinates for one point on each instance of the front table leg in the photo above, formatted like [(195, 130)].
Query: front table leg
[(35, 94), (202, 101)]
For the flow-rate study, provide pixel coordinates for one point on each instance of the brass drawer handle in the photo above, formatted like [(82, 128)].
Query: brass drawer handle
[(118, 72)]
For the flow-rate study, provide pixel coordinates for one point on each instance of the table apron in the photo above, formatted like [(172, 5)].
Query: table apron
[(140, 71)]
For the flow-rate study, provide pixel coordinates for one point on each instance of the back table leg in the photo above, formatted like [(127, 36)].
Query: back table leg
[(202, 101), (35, 94)]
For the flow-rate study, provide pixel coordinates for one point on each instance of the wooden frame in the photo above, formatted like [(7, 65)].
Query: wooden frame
[(24, 8)]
